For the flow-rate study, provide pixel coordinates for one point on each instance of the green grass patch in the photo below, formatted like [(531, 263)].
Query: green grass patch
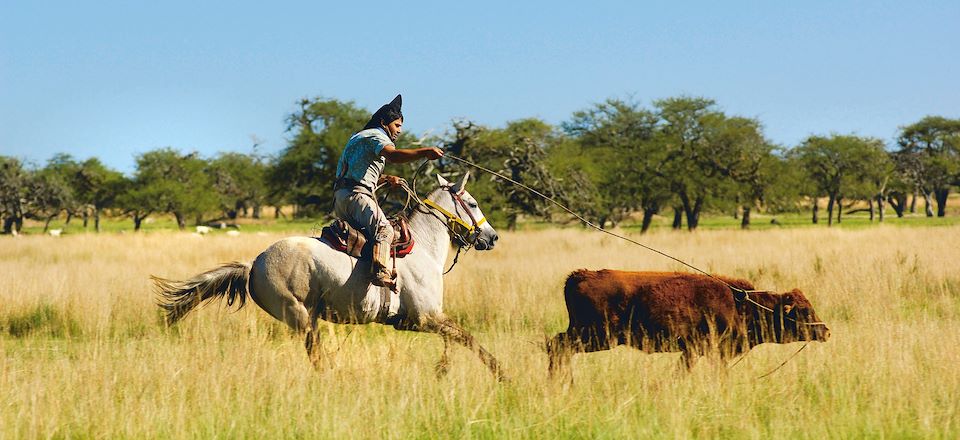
[(711, 221), (42, 320)]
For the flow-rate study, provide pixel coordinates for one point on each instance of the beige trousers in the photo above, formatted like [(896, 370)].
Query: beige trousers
[(359, 208)]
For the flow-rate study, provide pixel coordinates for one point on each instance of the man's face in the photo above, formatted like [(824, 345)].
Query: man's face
[(394, 129)]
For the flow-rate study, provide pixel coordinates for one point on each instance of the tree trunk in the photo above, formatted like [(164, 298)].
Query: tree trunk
[(69, 217), (46, 224), (86, 217), (870, 202), (880, 207), (677, 217), (913, 203), (137, 221), (647, 219), (512, 222), (899, 203), (181, 222), (693, 217), (8, 225), (830, 210), (256, 211), (96, 219), (941, 195), (745, 223), (816, 210), (839, 209), (928, 204)]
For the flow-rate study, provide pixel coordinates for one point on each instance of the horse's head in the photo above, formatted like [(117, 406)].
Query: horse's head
[(467, 224)]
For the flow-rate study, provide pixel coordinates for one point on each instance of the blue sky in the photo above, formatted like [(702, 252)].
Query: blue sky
[(113, 79)]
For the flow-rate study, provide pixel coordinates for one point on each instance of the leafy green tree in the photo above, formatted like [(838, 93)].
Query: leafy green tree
[(305, 171), (61, 172), (48, 195), (14, 190), (167, 181), (92, 187), (621, 154), (683, 126), (518, 151), (240, 180), (735, 149), (930, 149), (98, 187), (839, 165)]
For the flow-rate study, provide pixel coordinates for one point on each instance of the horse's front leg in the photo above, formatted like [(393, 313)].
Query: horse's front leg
[(451, 331)]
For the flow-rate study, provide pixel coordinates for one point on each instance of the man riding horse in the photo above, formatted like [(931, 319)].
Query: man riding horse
[(360, 171)]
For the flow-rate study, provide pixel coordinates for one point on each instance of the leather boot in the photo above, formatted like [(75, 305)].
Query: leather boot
[(379, 267)]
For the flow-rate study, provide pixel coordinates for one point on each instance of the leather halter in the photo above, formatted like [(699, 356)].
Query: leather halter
[(461, 230)]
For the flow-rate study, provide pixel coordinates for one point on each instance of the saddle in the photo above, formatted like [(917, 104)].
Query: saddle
[(342, 237)]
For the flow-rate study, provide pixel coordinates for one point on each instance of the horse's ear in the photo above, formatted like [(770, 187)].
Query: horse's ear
[(443, 182), (462, 184)]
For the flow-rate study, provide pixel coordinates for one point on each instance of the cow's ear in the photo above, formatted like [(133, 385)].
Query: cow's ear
[(443, 182)]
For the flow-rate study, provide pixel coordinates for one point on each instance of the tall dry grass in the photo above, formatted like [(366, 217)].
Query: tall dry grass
[(84, 353)]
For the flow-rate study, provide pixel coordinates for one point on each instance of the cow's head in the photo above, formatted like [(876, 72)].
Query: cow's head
[(795, 320)]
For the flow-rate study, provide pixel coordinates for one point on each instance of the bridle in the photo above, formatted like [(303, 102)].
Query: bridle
[(461, 232)]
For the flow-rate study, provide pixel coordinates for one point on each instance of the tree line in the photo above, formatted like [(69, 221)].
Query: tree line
[(679, 157)]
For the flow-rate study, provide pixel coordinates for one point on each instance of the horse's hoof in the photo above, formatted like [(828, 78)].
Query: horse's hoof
[(442, 368)]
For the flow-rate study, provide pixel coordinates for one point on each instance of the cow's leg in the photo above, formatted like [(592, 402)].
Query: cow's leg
[(689, 354), (452, 332), (560, 350)]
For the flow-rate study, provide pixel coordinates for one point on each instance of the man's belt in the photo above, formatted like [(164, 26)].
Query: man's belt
[(345, 183)]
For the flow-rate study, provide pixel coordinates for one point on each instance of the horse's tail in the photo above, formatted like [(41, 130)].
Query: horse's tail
[(177, 298)]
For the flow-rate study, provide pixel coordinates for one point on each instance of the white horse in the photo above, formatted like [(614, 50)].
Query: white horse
[(299, 280)]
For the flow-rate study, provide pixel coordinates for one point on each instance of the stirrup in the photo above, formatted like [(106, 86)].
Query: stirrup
[(385, 279)]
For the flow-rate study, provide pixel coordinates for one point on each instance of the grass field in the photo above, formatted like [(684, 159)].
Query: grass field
[(84, 353)]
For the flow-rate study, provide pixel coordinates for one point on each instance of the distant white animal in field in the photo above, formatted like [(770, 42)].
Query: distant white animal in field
[(300, 280), (233, 233), (55, 232), (203, 230)]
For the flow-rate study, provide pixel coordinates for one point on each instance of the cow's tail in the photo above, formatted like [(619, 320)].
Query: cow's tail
[(177, 298)]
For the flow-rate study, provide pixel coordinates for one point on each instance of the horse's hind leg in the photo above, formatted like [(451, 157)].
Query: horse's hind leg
[(443, 365), (452, 332), (271, 290), (313, 343)]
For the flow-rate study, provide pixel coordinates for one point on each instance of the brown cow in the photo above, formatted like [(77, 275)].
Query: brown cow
[(671, 311)]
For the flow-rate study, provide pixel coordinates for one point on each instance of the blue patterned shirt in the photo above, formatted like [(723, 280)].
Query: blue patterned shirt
[(361, 159)]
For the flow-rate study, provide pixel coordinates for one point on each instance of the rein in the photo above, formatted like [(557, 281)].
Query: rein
[(463, 234)]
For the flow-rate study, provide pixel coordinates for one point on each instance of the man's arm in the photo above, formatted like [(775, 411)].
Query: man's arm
[(396, 155)]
